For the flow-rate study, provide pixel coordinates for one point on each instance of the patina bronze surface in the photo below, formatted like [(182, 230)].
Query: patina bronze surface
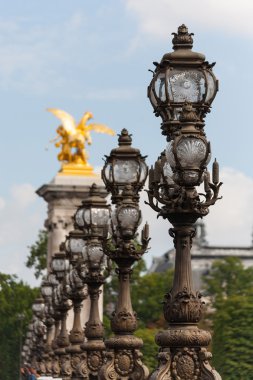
[(173, 194)]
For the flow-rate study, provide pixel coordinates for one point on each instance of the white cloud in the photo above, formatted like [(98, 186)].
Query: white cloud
[(2, 203), (23, 194), (20, 220), (32, 56), (162, 16), (229, 223)]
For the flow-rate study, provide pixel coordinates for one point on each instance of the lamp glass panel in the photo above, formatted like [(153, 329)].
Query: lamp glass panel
[(108, 172), (168, 173), (208, 158), (160, 87), (186, 85), (79, 217), (143, 171), (211, 87), (99, 216), (60, 264), (126, 171), (87, 216), (191, 152), (38, 307), (95, 253), (52, 279), (128, 216), (152, 98), (76, 245), (46, 290), (170, 154)]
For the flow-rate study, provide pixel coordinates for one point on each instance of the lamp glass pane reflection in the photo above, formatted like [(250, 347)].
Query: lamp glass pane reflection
[(126, 171), (128, 216), (186, 85), (191, 152)]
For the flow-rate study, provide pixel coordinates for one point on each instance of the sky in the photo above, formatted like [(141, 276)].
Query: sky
[(95, 55)]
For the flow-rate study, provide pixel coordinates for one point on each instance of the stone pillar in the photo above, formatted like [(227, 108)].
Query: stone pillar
[(63, 195)]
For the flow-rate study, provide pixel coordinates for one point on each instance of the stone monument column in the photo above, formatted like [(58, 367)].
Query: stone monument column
[(70, 186), (63, 195)]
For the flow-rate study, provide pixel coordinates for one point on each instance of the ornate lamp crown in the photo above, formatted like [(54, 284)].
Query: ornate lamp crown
[(182, 76), (93, 216), (124, 166)]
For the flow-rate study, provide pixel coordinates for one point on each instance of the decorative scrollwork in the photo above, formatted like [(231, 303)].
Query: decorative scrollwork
[(177, 199), (185, 306), (163, 371), (207, 372), (94, 361), (124, 362), (81, 368), (185, 364), (107, 371), (56, 367), (177, 337), (66, 368)]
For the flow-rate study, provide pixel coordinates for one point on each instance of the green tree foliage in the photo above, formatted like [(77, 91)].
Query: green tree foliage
[(16, 299), (231, 287), (147, 297), (37, 257), (149, 349)]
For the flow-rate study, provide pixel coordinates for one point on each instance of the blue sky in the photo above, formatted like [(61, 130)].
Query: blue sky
[(95, 55)]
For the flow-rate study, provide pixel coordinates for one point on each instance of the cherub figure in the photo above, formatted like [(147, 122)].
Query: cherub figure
[(75, 136)]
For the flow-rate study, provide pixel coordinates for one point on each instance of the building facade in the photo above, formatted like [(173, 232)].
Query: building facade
[(203, 255)]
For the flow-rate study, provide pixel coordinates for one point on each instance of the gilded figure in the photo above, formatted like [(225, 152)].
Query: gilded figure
[(72, 138)]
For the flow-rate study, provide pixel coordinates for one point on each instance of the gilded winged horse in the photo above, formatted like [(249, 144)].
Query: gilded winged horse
[(75, 136)]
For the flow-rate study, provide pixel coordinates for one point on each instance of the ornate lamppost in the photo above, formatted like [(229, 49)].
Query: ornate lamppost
[(124, 175), (47, 293), (39, 328), (77, 293), (92, 219), (56, 314), (27, 348), (181, 92), (60, 265)]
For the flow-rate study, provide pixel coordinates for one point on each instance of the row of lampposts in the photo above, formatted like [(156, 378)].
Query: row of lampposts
[(181, 92)]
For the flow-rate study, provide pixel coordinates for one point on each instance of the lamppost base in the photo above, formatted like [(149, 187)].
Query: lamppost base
[(123, 359), (65, 363), (183, 355)]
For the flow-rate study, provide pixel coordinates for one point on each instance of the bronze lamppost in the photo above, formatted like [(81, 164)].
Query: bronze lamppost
[(92, 219), (27, 348), (56, 314), (181, 92), (60, 266), (47, 293), (124, 175), (77, 293), (39, 329)]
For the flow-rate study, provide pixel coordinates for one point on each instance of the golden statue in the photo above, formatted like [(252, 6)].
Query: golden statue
[(72, 139)]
